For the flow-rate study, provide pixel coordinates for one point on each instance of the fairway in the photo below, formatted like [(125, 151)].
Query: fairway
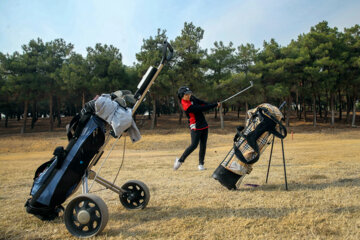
[(203, 89), (322, 202)]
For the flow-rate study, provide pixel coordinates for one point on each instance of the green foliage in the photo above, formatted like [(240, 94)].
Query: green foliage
[(319, 65), (106, 71), (221, 62), (247, 55), (150, 55), (351, 56), (189, 56), (277, 91)]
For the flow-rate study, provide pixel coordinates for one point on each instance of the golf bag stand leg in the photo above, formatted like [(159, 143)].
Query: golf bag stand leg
[(284, 164), (85, 187), (283, 154), (272, 147)]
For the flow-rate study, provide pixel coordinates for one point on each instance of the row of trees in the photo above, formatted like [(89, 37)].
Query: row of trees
[(51, 79), (318, 72)]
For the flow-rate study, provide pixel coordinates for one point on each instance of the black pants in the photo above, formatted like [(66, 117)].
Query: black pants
[(196, 137)]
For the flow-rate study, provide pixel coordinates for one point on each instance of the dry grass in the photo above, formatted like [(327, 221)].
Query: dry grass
[(322, 202)]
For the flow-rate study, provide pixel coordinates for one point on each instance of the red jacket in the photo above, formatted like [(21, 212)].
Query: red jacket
[(194, 109)]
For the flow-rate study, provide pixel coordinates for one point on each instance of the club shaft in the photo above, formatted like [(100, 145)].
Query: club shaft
[(282, 105), (236, 94)]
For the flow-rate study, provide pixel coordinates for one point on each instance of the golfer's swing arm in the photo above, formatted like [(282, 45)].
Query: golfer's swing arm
[(143, 87)]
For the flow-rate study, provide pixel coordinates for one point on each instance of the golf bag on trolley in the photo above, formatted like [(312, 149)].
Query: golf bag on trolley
[(249, 143), (87, 214), (59, 178)]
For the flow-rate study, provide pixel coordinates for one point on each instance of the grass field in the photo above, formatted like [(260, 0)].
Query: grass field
[(323, 200)]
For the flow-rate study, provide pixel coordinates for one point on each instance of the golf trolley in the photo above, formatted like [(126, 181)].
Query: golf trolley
[(87, 214)]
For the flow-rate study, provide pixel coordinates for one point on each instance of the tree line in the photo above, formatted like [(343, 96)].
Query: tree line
[(319, 72)]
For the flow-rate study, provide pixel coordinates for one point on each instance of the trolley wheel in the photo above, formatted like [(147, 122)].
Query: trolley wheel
[(136, 195), (86, 215)]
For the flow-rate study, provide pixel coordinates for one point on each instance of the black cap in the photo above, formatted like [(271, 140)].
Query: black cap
[(182, 91)]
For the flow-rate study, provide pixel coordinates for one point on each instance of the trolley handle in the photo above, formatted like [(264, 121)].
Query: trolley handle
[(165, 57)]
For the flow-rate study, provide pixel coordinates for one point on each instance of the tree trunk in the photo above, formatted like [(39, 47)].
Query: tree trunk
[(221, 116), (332, 109), (326, 108), (297, 102), (225, 110), (340, 107), (181, 112), (158, 109), (149, 108), (304, 109), (34, 115), (319, 104), (215, 113), (154, 115), (58, 104), (180, 116), (348, 108), (26, 107), (238, 112), (246, 110), (288, 108), (314, 110), (83, 100), (51, 120), (354, 113), (6, 120), (300, 110)]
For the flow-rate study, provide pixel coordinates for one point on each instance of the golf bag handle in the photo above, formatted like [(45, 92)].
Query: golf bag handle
[(283, 132), (165, 57)]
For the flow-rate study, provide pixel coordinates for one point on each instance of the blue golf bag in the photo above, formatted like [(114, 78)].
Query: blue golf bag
[(57, 179)]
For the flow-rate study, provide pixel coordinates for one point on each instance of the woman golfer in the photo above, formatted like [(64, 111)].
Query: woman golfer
[(193, 108)]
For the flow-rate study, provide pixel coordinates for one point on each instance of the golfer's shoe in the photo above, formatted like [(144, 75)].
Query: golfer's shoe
[(201, 168), (177, 164)]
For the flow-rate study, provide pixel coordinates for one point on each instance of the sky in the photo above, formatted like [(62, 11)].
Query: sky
[(125, 24)]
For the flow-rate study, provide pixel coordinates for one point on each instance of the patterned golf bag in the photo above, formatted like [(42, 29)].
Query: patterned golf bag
[(249, 143)]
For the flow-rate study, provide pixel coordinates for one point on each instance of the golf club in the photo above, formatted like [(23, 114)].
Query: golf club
[(251, 85)]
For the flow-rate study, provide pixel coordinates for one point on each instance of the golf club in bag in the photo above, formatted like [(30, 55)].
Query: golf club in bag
[(249, 143), (56, 180)]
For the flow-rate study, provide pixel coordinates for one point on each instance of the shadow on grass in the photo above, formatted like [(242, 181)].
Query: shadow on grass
[(170, 213), (344, 182)]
